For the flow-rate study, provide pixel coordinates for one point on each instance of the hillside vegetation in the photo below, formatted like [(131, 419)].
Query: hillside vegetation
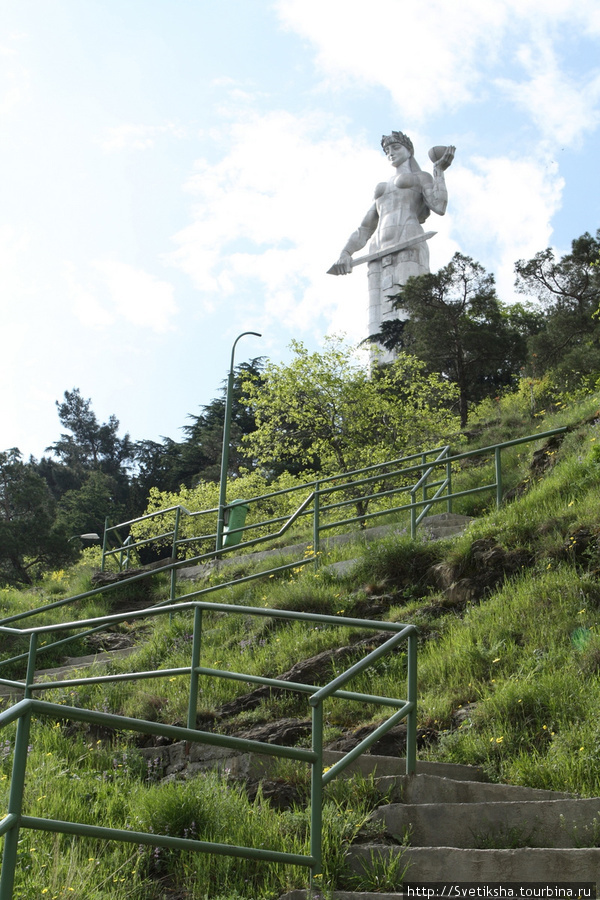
[(509, 663), (459, 348)]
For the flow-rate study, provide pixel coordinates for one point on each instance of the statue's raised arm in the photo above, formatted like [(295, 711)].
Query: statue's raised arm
[(434, 189), (394, 224)]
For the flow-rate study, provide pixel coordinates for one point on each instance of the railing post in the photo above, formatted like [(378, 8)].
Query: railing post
[(449, 487), (316, 793), (104, 539), (411, 719), (498, 463), (413, 514), (196, 643), (424, 462), (15, 806), (174, 554), (316, 532), (124, 552), (29, 677)]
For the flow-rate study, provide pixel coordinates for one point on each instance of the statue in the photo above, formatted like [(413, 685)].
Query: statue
[(398, 247)]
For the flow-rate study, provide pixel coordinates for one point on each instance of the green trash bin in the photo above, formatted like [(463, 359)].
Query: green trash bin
[(234, 517)]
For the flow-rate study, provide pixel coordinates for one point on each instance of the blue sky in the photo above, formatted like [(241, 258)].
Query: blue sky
[(176, 172)]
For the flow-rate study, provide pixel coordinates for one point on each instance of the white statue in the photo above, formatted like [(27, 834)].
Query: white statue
[(401, 205)]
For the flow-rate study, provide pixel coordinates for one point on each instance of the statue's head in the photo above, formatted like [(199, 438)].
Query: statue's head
[(397, 137)]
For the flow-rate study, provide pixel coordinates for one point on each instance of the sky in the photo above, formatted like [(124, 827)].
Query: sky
[(177, 172)]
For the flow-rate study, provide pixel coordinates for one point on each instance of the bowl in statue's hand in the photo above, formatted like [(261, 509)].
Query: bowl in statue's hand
[(436, 153)]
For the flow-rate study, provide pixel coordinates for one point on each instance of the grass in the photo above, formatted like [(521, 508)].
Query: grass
[(524, 656), (97, 781)]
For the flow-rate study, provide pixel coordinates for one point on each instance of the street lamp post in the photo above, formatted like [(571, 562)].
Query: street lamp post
[(225, 451)]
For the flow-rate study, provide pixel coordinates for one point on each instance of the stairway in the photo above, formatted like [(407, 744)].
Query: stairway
[(432, 528), (457, 828)]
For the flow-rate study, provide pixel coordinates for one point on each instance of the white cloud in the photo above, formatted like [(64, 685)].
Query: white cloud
[(503, 210), (137, 137), (428, 56), (138, 297), (437, 57), (84, 302), (562, 107), (15, 78), (274, 214), (113, 291), (14, 244)]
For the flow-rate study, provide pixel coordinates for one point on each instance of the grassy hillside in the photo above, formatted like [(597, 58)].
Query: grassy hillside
[(509, 663)]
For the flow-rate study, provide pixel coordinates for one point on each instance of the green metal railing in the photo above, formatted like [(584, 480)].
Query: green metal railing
[(388, 479), (23, 712), (346, 482), (426, 477), (421, 503)]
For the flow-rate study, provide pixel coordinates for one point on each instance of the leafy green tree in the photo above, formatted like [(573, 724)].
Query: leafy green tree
[(457, 325), (568, 290), (30, 537), (86, 509), (323, 411), (91, 446), (156, 466), (201, 452), (205, 496), (171, 465)]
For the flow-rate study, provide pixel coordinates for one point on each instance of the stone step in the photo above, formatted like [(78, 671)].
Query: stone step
[(388, 770), (530, 823), (436, 789), (71, 665), (368, 764), (344, 895), (441, 864), (431, 528), (444, 525)]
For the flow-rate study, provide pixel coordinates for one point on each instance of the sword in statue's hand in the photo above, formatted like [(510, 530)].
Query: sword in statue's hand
[(336, 268)]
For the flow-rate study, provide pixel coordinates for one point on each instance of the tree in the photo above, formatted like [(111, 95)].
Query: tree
[(201, 452), (323, 411), (172, 464), (568, 290), (457, 325), (85, 510), (90, 446), (29, 534)]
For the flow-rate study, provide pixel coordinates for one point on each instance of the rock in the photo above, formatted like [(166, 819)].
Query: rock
[(443, 575), (101, 578), (466, 590), (286, 732), (315, 670), (280, 795), (391, 744), (487, 564), (464, 714)]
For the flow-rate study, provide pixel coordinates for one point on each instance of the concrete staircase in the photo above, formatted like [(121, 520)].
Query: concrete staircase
[(71, 667), (448, 825), (432, 528)]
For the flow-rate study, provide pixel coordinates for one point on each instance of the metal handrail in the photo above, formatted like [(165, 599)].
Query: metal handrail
[(23, 711), (179, 509), (319, 526), (331, 484)]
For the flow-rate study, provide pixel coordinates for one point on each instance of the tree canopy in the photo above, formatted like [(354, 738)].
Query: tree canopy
[(458, 326), (323, 411), (30, 535), (568, 291)]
